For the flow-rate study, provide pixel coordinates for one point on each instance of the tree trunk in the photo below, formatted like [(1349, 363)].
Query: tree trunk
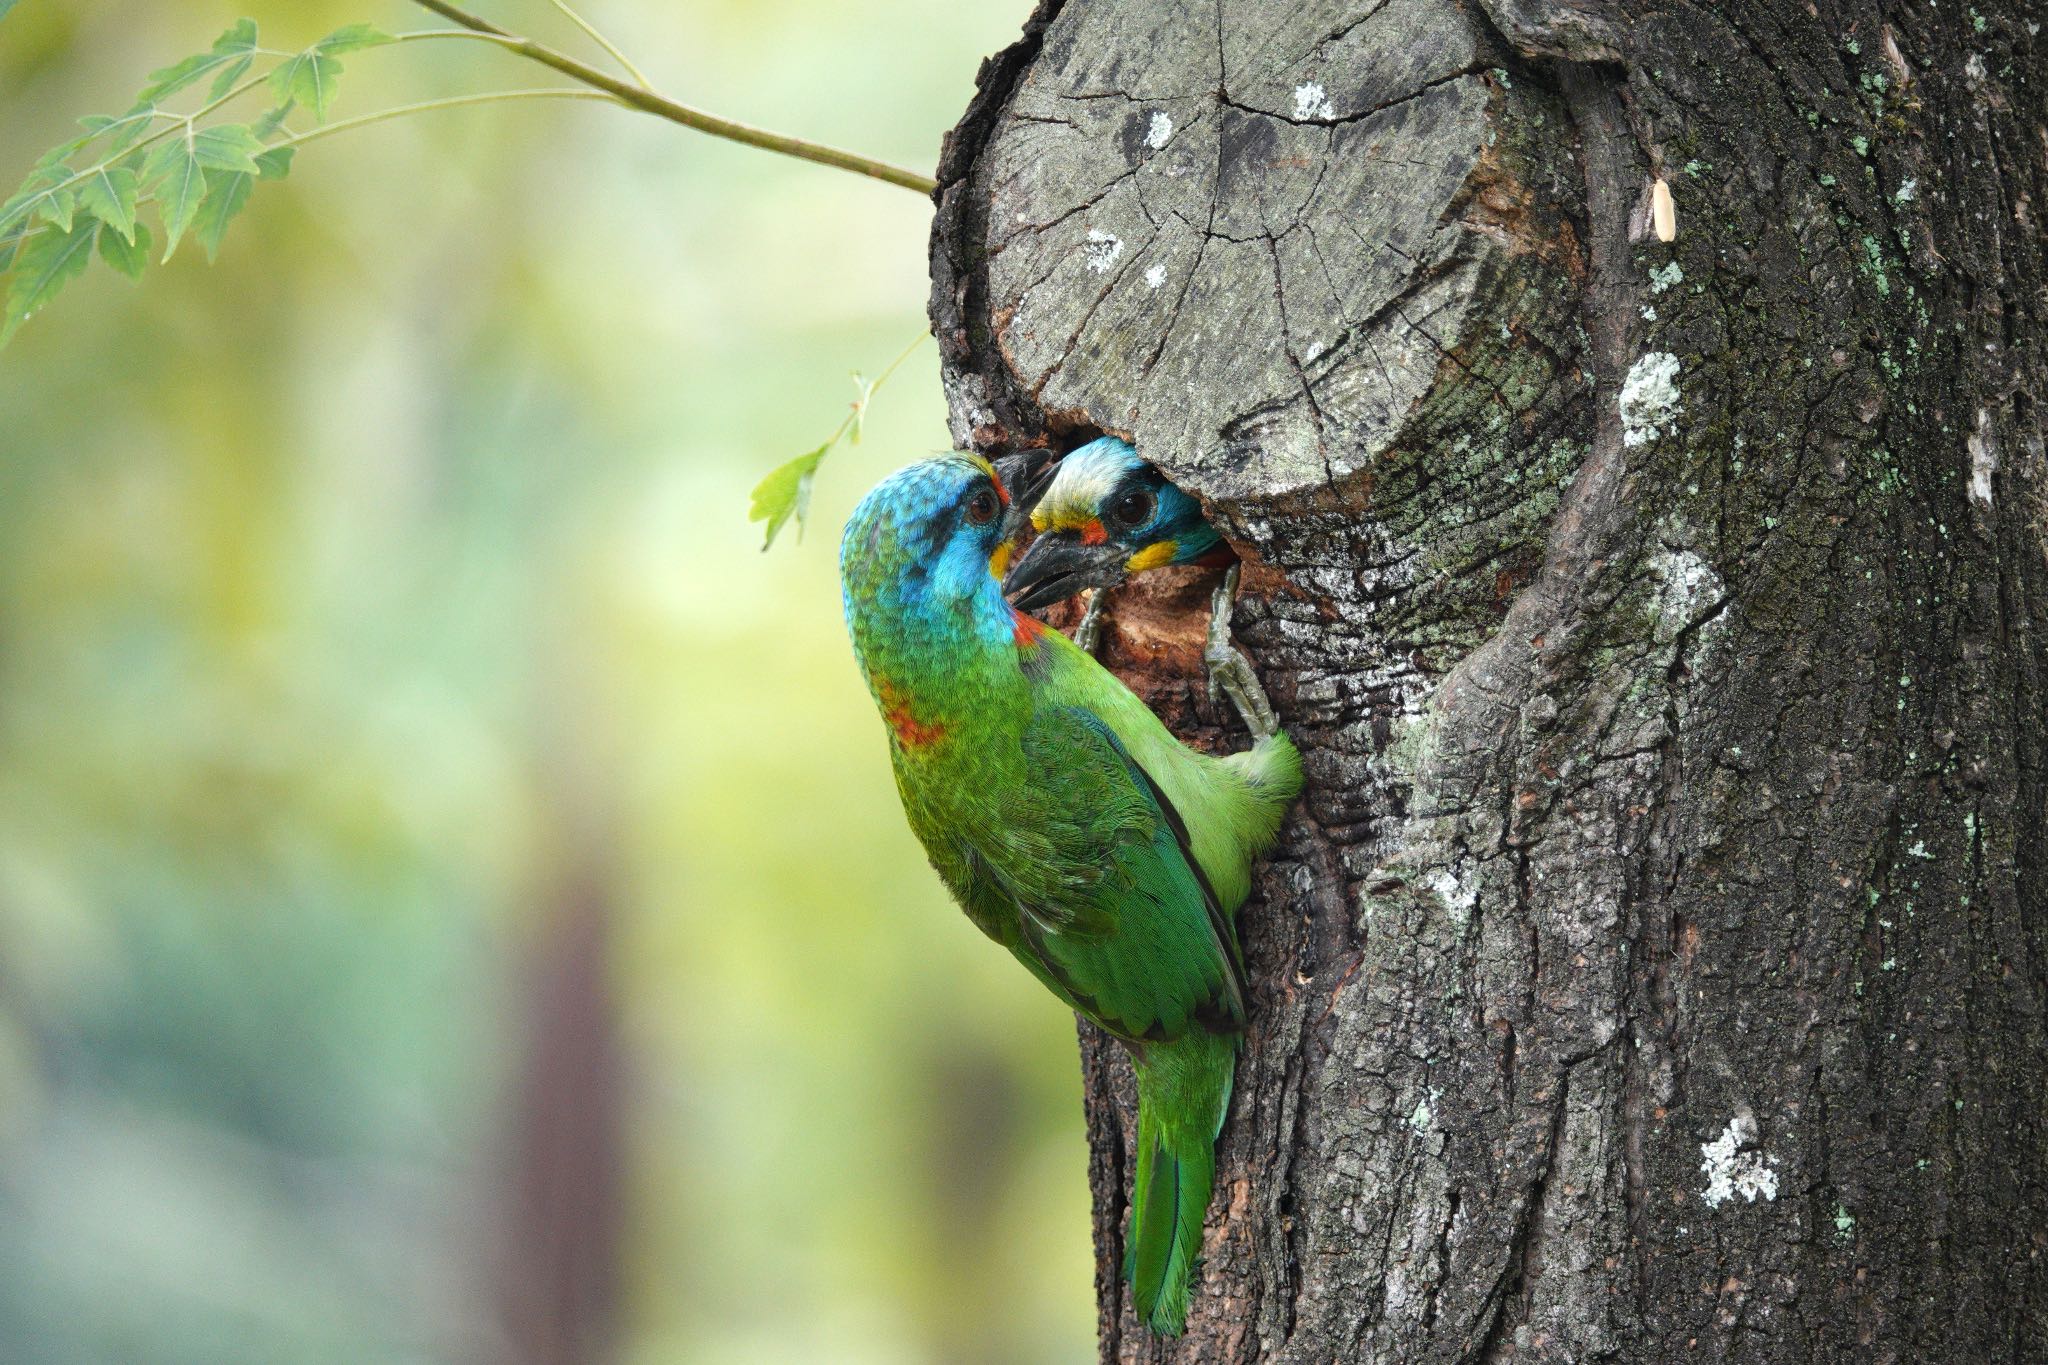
[(1654, 969)]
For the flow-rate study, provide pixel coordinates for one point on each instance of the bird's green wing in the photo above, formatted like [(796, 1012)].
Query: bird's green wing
[(1113, 910)]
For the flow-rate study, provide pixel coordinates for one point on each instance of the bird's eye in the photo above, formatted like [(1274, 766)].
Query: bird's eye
[(1133, 508), (982, 507)]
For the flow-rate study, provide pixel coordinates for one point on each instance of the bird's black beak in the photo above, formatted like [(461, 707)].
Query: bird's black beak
[(1058, 565), (1025, 475)]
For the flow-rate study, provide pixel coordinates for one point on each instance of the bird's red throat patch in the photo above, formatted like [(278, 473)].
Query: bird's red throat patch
[(1026, 630), (910, 732)]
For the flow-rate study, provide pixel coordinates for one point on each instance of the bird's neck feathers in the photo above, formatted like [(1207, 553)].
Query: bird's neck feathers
[(941, 651)]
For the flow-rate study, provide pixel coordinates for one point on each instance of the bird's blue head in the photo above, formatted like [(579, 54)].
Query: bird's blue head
[(922, 559), (1106, 515)]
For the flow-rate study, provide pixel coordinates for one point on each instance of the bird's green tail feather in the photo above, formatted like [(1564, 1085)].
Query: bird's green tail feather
[(1183, 1089)]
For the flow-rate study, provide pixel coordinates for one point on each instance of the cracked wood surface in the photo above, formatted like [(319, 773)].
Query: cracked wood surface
[(1654, 969)]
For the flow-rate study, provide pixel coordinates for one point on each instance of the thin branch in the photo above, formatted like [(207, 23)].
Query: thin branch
[(920, 339), (649, 102), (590, 29), (451, 102)]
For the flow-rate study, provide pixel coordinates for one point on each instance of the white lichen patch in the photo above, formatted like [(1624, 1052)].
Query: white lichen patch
[(1102, 250), (1313, 353), (1458, 897), (1983, 447), (1311, 101), (1424, 1113), (1689, 588), (1664, 276), (1159, 132), (1906, 191), (1649, 399), (1732, 1171), (1155, 276)]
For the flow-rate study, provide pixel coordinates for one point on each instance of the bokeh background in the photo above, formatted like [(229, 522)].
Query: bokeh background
[(453, 903)]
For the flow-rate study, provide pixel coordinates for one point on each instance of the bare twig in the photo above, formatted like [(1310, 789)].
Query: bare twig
[(652, 102)]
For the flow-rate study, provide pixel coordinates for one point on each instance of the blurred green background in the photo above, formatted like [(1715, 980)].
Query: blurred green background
[(453, 902)]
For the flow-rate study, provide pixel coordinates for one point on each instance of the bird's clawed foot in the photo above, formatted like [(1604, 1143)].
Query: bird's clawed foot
[(1229, 671), (1089, 631)]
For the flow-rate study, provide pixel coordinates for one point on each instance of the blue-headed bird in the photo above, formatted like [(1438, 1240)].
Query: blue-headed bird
[(1103, 514), (1070, 825)]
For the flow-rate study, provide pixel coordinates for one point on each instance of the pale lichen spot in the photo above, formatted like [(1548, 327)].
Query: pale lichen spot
[(1313, 353), (1155, 276), (1689, 587), (1102, 250), (1664, 276), (1845, 1222), (1311, 101), (1649, 398), (1159, 132), (1983, 447), (1424, 1113), (1458, 897), (1731, 1170)]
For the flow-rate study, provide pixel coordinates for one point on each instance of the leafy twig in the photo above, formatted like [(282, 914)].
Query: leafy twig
[(786, 492)]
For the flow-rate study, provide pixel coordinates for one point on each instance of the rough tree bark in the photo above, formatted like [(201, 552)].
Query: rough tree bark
[(1655, 967)]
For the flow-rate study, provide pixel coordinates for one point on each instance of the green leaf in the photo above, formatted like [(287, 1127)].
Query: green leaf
[(57, 207), (47, 263), (233, 48), (39, 185), (238, 45), (275, 164), (228, 147), (109, 194), (126, 257), (225, 81), (123, 130), (226, 192), (308, 79), (272, 120), (174, 174), (240, 37), (864, 389), (354, 38), (55, 158), (786, 493)]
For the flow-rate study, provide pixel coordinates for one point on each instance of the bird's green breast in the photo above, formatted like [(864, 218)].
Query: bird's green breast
[(957, 745)]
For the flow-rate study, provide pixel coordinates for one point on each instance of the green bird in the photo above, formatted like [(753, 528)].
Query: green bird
[(1070, 825)]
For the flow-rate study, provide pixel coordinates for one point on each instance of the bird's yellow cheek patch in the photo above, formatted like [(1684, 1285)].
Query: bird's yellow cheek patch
[(1152, 556), (999, 562)]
